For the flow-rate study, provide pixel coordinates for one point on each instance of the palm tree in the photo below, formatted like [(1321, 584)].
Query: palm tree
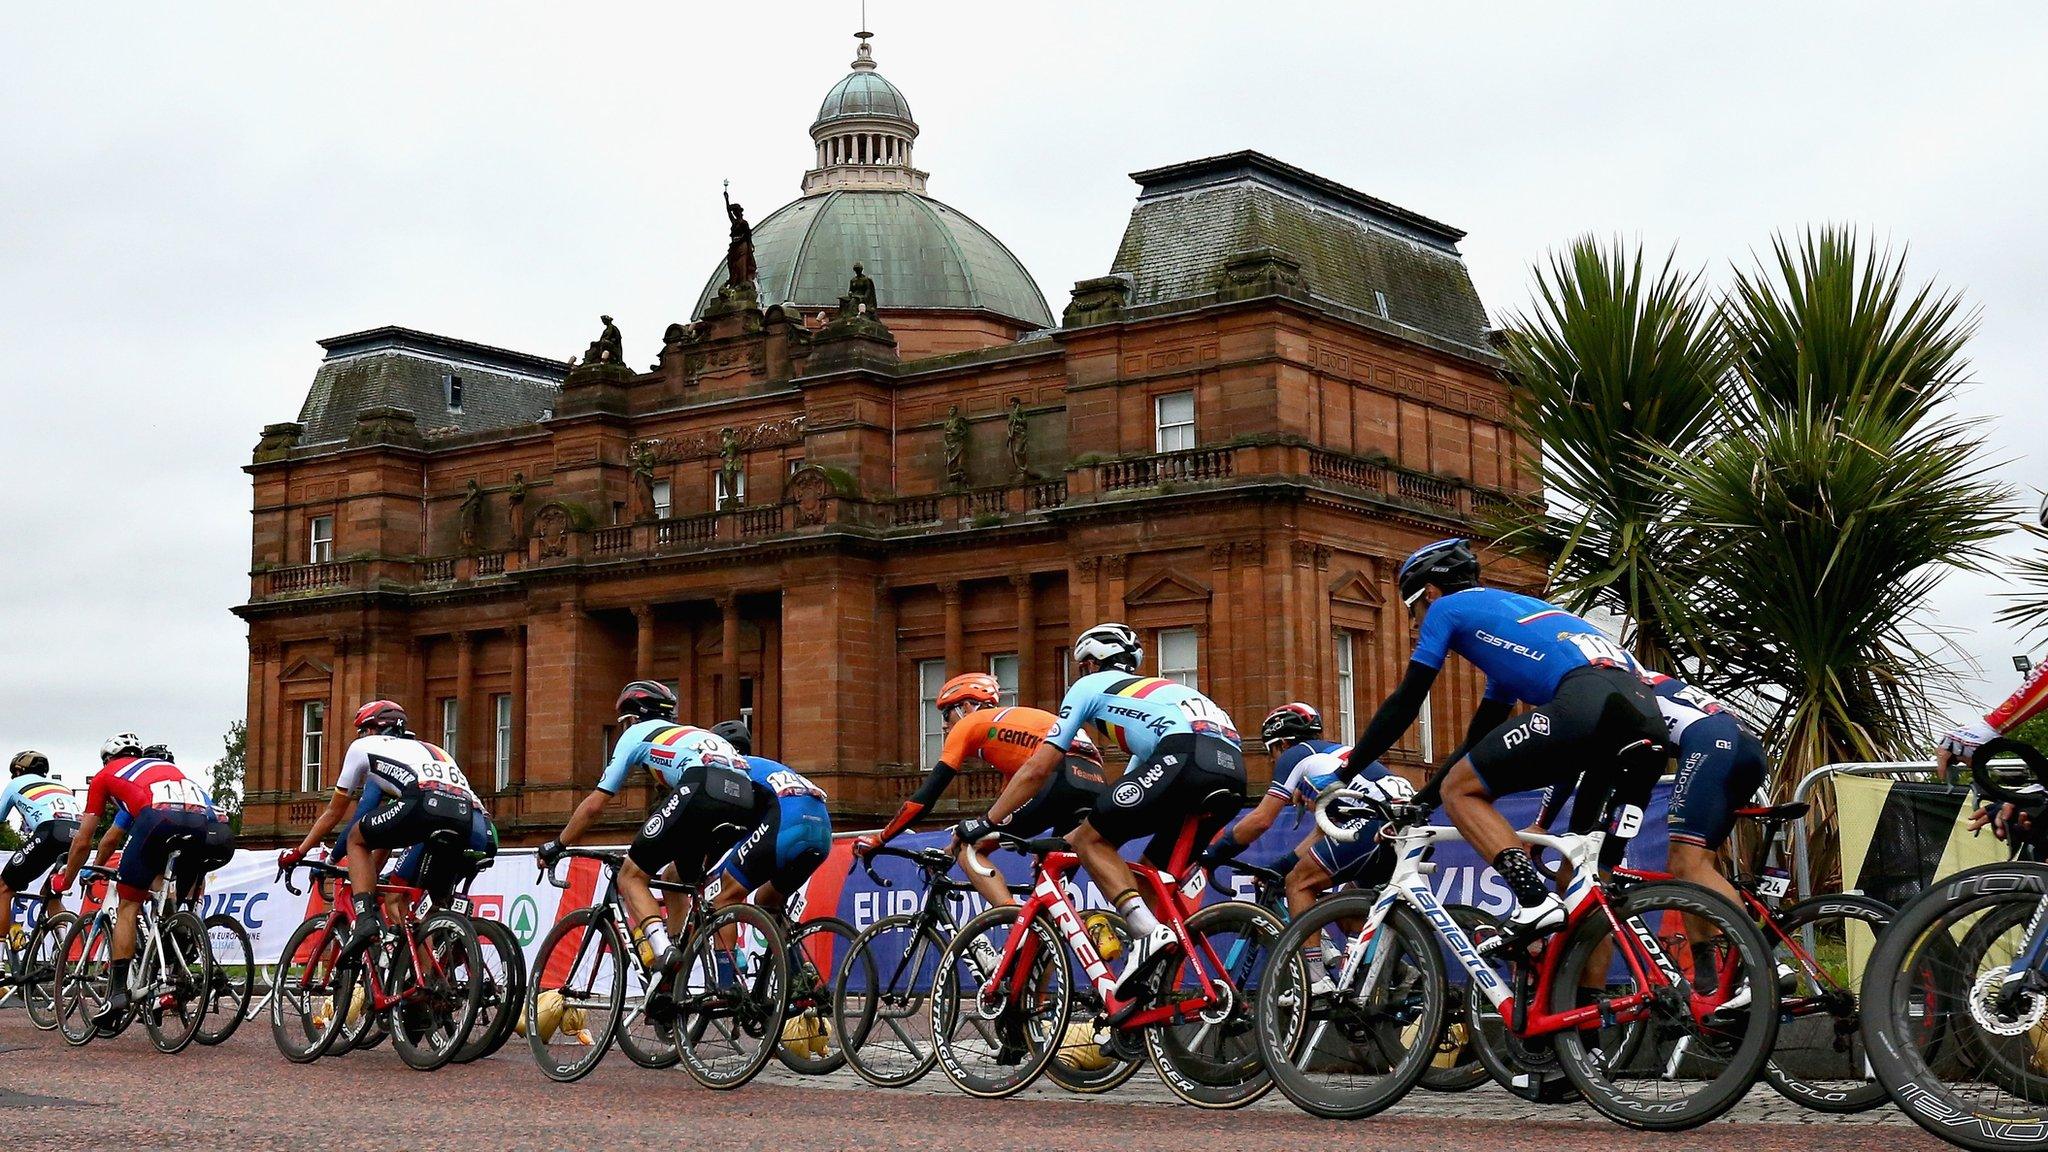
[(1612, 365)]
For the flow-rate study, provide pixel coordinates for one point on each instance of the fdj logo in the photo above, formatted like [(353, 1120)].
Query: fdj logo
[(524, 920)]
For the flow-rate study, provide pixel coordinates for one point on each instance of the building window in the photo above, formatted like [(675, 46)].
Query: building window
[(1175, 414), (451, 388), (663, 500), (796, 465), (450, 712), (1347, 712), (1380, 298), (320, 540), (1004, 669), (1066, 671), (1177, 656), (931, 728), (729, 498), (501, 709), (312, 743), (1428, 733)]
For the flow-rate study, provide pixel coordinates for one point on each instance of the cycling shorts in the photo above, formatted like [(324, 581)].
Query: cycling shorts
[(1720, 767), (43, 849), (1158, 796), (710, 810), (411, 817), (784, 848), (1366, 861), (1063, 801), (1597, 714), (153, 834), (438, 871)]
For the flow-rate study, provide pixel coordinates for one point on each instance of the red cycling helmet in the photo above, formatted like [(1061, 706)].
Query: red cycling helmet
[(382, 717)]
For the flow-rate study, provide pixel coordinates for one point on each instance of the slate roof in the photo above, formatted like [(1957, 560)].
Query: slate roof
[(1191, 218), (405, 368)]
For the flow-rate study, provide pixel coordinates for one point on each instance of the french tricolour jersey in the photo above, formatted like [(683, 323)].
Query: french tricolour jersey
[(1137, 711), (38, 799), (394, 764), (666, 748), (1288, 761), (134, 783), (1523, 645), (1682, 704), (1318, 770)]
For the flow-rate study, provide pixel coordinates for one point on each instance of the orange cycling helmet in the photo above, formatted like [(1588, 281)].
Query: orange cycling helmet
[(978, 688)]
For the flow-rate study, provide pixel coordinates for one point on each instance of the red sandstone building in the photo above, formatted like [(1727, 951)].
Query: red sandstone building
[(812, 513)]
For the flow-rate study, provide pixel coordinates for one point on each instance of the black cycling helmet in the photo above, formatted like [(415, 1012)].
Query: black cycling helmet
[(646, 700), (1291, 723), (735, 733), (159, 752), (1448, 565), (29, 763)]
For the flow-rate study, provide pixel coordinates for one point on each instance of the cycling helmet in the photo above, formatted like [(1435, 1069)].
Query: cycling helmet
[(30, 763), (1110, 646), (1447, 564), (735, 733), (1085, 749), (1290, 723), (121, 744), (381, 717), (160, 752), (977, 688), (646, 700)]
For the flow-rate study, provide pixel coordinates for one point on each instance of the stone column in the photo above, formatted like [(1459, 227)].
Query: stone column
[(729, 659), (258, 774), (416, 681), (1116, 566), (465, 690), (1082, 594), (686, 671), (516, 636), (1027, 640), (1223, 676), (643, 650), (335, 743), (956, 640), (1256, 685), (768, 693)]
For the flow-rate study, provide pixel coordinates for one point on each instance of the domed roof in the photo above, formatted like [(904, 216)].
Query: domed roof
[(919, 252), (864, 93)]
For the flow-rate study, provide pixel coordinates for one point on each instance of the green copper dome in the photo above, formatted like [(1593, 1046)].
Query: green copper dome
[(919, 252), (864, 93)]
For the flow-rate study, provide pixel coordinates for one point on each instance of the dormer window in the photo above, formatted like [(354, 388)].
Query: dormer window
[(451, 389)]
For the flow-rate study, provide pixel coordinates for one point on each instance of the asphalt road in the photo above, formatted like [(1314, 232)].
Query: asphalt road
[(120, 1093)]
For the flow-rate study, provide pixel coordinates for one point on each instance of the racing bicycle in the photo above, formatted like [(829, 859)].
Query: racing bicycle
[(168, 980)]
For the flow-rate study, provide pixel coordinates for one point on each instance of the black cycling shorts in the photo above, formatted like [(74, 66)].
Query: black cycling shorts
[(1063, 801), (412, 816), (1596, 716), (1157, 796), (216, 847), (710, 809), (44, 848)]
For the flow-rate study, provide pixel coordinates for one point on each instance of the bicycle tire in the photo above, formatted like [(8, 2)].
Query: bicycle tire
[(657, 1050), (1065, 1069), (433, 1016), (184, 984), (597, 985), (228, 999), (44, 960), (504, 991), (881, 997), (1414, 994), (810, 994), (1832, 1093), (1049, 986), (83, 977), (751, 1008), (303, 976), (1734, 1053), (1465, 1071), (1233, 1075)]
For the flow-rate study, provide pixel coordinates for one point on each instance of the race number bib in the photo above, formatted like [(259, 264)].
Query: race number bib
[(1599, 650), (176, 794)]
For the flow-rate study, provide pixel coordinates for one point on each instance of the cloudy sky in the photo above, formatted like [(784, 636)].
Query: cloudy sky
[(191, 195)]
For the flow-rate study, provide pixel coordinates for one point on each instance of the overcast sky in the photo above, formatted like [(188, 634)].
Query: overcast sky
[(191, 195)]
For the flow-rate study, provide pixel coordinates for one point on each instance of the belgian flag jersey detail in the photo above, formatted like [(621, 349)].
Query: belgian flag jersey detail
[(1136, 712), (666, 748), (38, 799)]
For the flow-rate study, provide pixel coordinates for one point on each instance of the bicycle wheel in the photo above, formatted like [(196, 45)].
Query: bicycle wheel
[(1081, 1064), (1456, 1066), (1825, 943), (817, 948), (1524, 1065), (881, 1001), (304, 1016), (504, 979), (731, 996), (990, 1041), (42, 961), (647, 1024), (234, 979), (179, 984), (1212, 1061), (1955, 1035), (574, 993), (1336, 1051), (87, 981), (1694, 1062), (440, 981)]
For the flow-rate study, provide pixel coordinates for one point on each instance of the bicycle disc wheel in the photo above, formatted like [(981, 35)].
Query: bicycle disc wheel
[(1825, 943), (504, 980), (1080, 1064), (1963, 1052), (177, 991), (234, 979), (817, 948), (86, 982), (991, 1043), (1694, 1063), (1212, 1060), (439, 982), (573, 995), (1456, 1067), (304, 1016), (42, 960), (1337, 1051), (731, 996), (881, 1001)]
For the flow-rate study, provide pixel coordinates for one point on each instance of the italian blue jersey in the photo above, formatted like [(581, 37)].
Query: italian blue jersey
[(1137, 711), (1523, 645), (38, 799), (665, 748)]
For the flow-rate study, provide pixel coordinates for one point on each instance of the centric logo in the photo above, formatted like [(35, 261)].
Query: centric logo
[(1127, 794)]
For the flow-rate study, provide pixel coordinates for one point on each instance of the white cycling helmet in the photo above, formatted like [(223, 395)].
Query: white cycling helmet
[(1110, 646), (121, 744)]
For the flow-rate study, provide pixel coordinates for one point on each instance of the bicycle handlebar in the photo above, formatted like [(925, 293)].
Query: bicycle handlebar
[(321, 870), (932, 860), (612, 856), (2032, 796)]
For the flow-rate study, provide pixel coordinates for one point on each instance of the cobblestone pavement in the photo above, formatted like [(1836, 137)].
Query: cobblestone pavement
[(121, 1094)]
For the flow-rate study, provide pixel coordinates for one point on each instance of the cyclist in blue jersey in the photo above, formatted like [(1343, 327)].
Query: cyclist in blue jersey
[(1319, 863), (1591, 712), (792, 839), (1184, 750), (49, 818)]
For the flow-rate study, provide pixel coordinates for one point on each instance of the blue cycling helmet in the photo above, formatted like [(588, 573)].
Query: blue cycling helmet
[(1448, 565)]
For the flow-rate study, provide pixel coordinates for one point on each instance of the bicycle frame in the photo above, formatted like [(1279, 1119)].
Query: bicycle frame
[(343, 912)]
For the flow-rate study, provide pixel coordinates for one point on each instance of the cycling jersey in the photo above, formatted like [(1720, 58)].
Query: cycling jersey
[(1002, 738), (665, 748), (793, 837), (1285, 766), (397, 765), (38, 799), (1681, 703), (1137, 712), (1523, 645), (137, 783), (1317, 771)]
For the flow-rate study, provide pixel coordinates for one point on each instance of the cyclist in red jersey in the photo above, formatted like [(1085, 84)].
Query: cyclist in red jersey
[(1958, 746), (162, 805)]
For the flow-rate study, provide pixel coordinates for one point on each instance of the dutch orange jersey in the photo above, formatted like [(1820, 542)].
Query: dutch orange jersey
[(1003, 738)]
